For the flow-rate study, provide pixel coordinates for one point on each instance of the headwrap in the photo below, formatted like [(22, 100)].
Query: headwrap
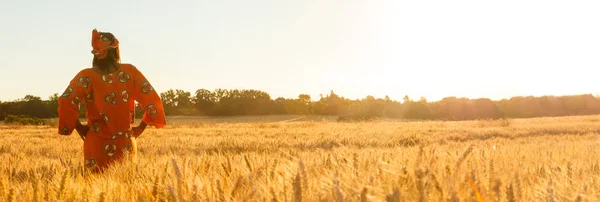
[(101, 42)]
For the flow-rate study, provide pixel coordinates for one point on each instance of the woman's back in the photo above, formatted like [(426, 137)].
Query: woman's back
[(109, 91), (110, 98)]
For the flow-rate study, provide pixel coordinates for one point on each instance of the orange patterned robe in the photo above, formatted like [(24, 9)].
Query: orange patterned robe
[(110, 108)]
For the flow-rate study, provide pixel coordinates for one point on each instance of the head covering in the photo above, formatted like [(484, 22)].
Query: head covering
[(101, 42)]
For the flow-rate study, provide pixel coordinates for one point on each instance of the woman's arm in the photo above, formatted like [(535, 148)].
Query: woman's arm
[(138, 130), (68, 105), (81, 129), (149, 101)]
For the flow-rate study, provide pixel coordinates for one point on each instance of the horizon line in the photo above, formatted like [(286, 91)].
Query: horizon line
[(317, 98)]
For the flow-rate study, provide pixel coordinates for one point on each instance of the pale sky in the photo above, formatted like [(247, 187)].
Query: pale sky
[(493, 49)]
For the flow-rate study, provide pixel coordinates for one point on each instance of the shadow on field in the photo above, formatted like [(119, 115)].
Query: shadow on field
[(512, 135), (271, 147)]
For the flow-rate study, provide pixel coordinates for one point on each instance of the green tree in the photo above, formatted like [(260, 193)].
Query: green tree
[(52, 105), (417, 110), (169, 101), (306, 102), (332, 104), (183, 99), (184, 102), (204, 101)]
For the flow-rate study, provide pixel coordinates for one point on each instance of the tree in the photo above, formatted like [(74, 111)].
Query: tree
[(204, 101), (255, 102), (52, 105), (306, 101), (331, 104), (278, 106), (31, 98), (373, 107), (2, 111), (406, 99), (304, 98), (295, 106), (183, 99), (34, 107), (169, 101), (53, 98), (183, 102), (416, 110), (220, 94)]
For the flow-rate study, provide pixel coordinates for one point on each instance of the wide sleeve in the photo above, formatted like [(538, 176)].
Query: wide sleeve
[(149, 100), (68, 103)]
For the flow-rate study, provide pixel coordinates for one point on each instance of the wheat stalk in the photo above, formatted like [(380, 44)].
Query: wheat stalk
[(11, 195), (172, 193), (394, 197), (496, 188), (491, 175), (36, 187), (63, 185), (47, 196), (248, 163), (3, 188), (463, 157), (437, 184), (102, 197), (550, 190), (297, 188), (220, 190), (251, 194), (273, 169), (355, 164), (338, 191), (510, 193), (237, 186), (229, 167), (285, 192), (518, 187), (364, 194), (420, 183), (273, 195), (579, 198), (85, 194), (155, 187), (179, 178), (304, 177)]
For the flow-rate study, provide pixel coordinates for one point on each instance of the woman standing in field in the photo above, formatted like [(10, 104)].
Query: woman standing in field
[(109, 90)]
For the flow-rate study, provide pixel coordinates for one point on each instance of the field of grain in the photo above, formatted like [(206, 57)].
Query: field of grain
[(544, 159)]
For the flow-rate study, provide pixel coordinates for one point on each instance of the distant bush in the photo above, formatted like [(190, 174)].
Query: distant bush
[(24, 120)]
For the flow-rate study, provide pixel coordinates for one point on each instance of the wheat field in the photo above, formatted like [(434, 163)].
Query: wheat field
[(542, 159)]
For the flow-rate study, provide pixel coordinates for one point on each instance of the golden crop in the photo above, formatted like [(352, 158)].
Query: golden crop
[(542, 159)]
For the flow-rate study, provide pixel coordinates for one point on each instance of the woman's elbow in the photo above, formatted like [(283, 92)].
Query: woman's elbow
[(66, 103)]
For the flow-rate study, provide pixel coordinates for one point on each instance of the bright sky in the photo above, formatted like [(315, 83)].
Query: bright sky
[(435, 49)]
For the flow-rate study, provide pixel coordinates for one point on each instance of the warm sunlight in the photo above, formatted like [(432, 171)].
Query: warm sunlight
[(310, 100), (483, 49), (358, 48)]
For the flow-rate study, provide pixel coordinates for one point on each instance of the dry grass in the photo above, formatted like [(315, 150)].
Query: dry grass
[(545, 159)]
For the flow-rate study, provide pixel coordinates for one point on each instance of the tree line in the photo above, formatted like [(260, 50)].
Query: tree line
[(234, 102)]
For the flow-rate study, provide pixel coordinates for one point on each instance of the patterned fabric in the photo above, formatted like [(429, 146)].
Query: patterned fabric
[(101, 43), (110, 112)]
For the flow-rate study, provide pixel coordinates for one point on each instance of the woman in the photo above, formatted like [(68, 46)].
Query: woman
[(109, 90)]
